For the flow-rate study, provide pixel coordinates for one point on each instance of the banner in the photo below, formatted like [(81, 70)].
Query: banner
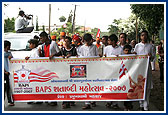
[(79, 79)]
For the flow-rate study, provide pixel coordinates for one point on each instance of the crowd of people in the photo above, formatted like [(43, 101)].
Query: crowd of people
[(86, 46)]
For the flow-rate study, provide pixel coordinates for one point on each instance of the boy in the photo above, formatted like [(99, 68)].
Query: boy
[(122, 39), (88, 49), (46, 48), (7, 57), (144, 48), (77, 43), (33, 43), (68, 51), (99, 46), (112, 50), (127, 104)]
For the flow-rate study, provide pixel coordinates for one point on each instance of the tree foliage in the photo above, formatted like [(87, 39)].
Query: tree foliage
[(151, 14), (70, 17), (62, 19), (9, 25)]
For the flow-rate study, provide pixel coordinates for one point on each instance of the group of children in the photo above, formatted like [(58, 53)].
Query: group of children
[(85, 47)]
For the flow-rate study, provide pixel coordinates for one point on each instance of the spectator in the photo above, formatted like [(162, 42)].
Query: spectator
[(22, 22), (7, 57)]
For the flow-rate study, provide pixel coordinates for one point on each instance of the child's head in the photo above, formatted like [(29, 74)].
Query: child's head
[(88, 39), (144, 36), (122, 38), (104, 40), (43, 37), (7, 45), (68, 41), (62, 35), (98, 40), (33, 43), (127, 49), (112, 39)]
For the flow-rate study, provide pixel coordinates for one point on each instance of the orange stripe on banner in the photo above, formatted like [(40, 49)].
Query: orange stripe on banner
[(78, 96)]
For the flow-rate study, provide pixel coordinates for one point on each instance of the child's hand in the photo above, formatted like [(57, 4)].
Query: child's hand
[(51, 56), (7, 73), (68, 55), (9, 57), (26, 58), (63, 56)]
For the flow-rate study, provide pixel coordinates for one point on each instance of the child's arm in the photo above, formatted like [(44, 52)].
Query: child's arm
[(26, 58)]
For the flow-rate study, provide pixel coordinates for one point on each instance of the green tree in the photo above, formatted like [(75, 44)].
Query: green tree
[(113, 29), (9, 25), (62, 19), (70, 17), (151, 14)]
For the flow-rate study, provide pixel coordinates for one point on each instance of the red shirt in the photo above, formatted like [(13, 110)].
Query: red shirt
[(47, 50)]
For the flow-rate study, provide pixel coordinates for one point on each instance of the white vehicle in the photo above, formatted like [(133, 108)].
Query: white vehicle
[(19, 43)]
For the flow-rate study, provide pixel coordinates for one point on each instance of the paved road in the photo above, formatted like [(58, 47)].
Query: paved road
[(22, 106)]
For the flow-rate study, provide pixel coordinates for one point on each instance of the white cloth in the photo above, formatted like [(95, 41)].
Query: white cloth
[(111, 51), (34, 53), (89, 50), (20, 23), (78, 50), (144, 49), (54, 48)]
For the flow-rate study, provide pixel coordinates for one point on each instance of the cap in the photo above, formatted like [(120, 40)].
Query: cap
[(53, 37), (76, 37), (97, 39), (62, 34)]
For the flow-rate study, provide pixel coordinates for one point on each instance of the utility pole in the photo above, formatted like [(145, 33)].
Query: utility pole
[(136, 30), (73, 24), (49, 18)]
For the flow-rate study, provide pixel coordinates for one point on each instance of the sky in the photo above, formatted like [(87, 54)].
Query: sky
[(91, 14)]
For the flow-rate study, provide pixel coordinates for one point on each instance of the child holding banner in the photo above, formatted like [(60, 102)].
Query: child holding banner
[(144, 48), (33, 43), (88, 49), (127, 104), (112, 50), (7, 57), (68, 51)]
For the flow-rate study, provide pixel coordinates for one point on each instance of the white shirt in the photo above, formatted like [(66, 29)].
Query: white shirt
[(89, 50), (78, 50), (54, 48), (20, 23), (143, 49), (111, 51), (34, 53)]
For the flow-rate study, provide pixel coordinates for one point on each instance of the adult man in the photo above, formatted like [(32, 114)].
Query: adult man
[(22, 22)]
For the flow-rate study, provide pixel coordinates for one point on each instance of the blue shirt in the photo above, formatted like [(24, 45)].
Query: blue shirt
[(6, 60)]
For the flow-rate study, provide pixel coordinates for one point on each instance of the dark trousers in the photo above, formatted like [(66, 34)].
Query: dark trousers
[(161, 66), (25, 30), (128, 104), (7, 89)]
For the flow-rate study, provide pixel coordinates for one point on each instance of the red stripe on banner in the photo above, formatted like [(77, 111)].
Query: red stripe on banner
[(75, 96)]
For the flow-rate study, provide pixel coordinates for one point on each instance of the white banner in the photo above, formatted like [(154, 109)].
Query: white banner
[(110, 78)]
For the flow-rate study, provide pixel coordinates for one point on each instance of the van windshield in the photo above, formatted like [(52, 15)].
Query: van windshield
[(18, 43)]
